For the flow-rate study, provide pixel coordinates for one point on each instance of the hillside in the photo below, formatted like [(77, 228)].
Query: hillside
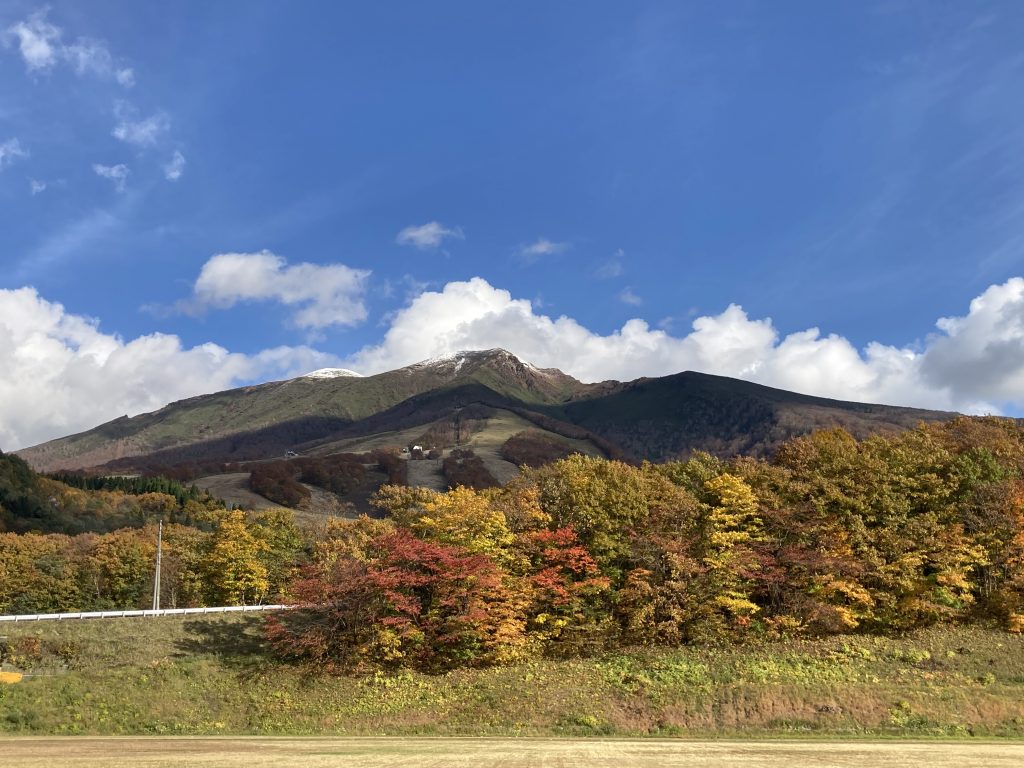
[(213, 675), (655, 418), (669, 417)]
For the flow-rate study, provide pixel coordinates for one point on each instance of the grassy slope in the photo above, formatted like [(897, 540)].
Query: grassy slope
[(210, 675), (247, 410), (234, 411), (487, 443)]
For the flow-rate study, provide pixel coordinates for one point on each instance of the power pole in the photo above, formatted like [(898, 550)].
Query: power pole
[(159, 554)]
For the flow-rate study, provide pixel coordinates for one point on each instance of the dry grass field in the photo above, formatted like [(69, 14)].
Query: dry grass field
[(233, 489), (506, 753)]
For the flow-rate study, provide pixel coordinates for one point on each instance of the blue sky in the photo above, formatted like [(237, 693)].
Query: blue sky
[(611, 172)]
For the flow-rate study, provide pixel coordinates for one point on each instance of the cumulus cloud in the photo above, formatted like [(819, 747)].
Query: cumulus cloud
[(62, 374), (326, 295), (982, 353), (429, 235), (116, 173), (41, 48), (541, 247), (10, 151), (176, 167), (973, 363), (142, 132)]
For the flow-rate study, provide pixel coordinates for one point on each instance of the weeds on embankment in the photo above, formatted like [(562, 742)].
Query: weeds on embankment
[(213, 675)]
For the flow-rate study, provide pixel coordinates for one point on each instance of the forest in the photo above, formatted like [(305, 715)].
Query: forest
[(831, 535)]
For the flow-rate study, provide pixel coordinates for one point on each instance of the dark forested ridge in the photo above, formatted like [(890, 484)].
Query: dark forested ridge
[(649, 419)]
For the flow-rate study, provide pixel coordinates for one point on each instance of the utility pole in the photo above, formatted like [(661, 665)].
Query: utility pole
[(159, 554)]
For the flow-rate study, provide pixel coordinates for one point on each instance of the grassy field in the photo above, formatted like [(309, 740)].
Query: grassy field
[(211, 675), (509, 753)]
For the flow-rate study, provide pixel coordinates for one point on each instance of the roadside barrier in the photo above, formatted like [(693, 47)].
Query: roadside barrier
[(130, 614)]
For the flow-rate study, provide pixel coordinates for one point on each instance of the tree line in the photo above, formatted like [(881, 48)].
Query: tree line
[(832, 535), (133, 484), (236, 558), (73, 503)]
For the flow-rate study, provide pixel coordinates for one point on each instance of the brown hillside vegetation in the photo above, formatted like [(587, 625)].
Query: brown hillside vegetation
[(532, 448)]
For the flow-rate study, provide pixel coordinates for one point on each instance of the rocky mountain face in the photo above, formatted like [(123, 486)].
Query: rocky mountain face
[(650, 418)]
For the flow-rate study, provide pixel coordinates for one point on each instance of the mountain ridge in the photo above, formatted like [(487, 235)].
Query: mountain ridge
[(648, 418)]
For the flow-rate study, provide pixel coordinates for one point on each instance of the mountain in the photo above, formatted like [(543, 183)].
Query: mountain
[(335, 410)]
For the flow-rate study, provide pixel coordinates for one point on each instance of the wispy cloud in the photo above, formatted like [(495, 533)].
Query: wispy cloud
[(142, 132), (627, 296), (72, 240), (10, 151), (611, 268), (41, 48), (176, 167), (38, 40), (429, 235), (35, 186), (541, 247), (116, 173)]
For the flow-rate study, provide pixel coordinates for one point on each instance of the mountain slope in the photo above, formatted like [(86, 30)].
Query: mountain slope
[(669, 417), (297, 410), (654, 418)]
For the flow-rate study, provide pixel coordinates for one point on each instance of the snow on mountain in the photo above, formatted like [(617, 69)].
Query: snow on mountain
[(330, 373)]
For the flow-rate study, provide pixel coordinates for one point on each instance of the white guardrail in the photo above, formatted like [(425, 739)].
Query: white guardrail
[(129, 614)]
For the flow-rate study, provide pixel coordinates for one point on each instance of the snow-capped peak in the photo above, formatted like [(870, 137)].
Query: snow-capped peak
[(330, 373), (457, 360)]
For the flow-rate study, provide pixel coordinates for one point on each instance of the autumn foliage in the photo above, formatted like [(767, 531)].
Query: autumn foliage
[(833, 535)]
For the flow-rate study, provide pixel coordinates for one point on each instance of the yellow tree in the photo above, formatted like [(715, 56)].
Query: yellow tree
[(235, 573), (728, 528), (123, 567)]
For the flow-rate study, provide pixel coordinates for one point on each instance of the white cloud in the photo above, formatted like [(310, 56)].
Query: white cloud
[(40, 45), (327, 295), (176, 167), (429, 235), (140, 132), (35, 186), (981, 353), (974, 363), (38, 41), (116, 173), (541, 247), (627, 296), (62, 374), (10, 151)]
